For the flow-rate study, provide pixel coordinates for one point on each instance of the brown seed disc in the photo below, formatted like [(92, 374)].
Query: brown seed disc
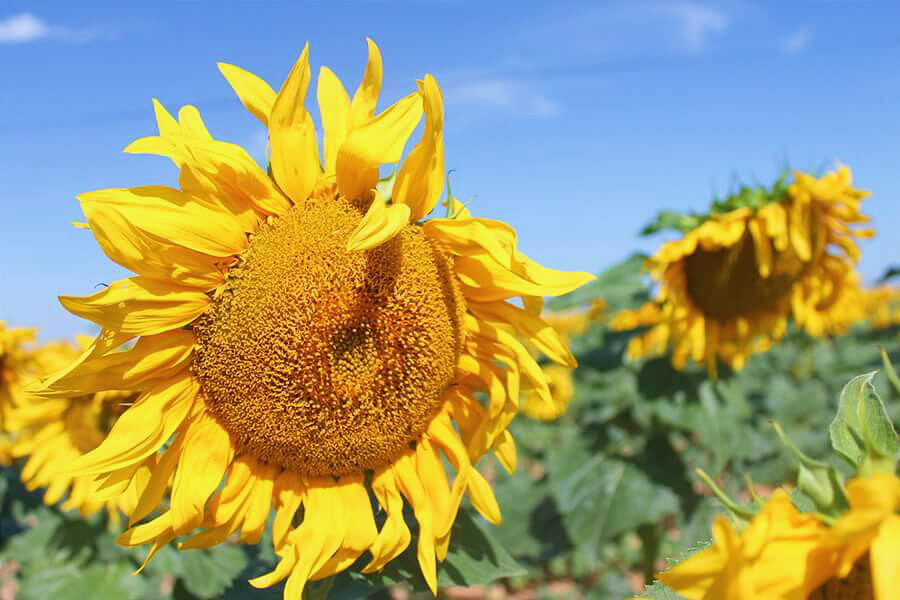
[(325, 361), (725, 284)]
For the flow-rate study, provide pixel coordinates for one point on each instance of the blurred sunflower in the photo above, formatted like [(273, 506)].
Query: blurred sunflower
[(51, 433), (859, 556), (562, 390), (560, 378), (729, 285), (768, 559), (17, 367), (304, 341)]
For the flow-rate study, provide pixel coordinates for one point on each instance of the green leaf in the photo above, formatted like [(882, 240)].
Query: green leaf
[(71, 581), (208, 573), (476, 556), (862, 432), (657, 591), (604, 497)]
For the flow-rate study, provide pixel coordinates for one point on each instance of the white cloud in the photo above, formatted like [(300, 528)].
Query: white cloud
[(503, 95), (26, 27), (696, 23), (22, 28), (796, 42)]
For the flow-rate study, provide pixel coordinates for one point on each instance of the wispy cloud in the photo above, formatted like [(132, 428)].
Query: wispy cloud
[(510, 97), (696, 24), (796, 42), (26, 27)]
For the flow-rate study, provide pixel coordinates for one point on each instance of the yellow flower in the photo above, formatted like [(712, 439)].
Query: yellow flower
[(727, 288), (863, 545), (17, 368), (562, 389), (53, 432), (766, 560), (306, 343), (881, 305)]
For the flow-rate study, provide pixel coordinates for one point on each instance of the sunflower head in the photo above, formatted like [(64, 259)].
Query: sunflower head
[(306, 341), (729, 285)]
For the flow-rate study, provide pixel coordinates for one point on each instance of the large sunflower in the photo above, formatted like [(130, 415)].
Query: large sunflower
[(729, 285), (306, 343), (51, 433)]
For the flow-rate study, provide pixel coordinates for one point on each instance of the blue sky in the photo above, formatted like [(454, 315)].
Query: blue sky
[(574, 122)]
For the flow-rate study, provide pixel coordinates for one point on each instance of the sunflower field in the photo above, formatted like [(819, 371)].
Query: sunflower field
[(327, 377)]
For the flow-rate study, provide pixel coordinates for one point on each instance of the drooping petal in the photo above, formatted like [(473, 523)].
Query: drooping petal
[(143, 428), (537, 331), (207, 453), (379, 224), (394, 536), (151, 358)]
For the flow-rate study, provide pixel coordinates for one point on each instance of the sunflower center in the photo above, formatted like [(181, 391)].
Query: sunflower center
[(726, 284), (857, 585), (325, 361)]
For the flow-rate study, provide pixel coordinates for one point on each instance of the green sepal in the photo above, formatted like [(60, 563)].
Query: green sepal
[(890, 371), (862, 432), (741, 515), (820, 481)]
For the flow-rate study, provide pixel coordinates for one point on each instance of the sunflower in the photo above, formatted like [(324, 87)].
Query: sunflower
[(562, 390), (17, 366), (881, 305), (305, 341), (859, 556), (729, 285), (52, 433), (768, 559)]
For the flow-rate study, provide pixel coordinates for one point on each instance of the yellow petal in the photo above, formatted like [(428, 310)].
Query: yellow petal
[(139, 306), (537, 331), (158, 485), (192, 123), (366, 97), (334, 106), (163, 217), (206, 454), (421, 178), (295, 156), (378, 225), (394, 536), (259, 503), (255, 94), (483, 498), (151, 358), (374, 143), (359, 531), (289, 494), (411, 488), (884, 557), (143, 428)]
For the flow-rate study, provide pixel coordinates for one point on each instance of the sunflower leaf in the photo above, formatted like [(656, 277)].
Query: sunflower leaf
[(476, 556), (862, 432), (208, 573)]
